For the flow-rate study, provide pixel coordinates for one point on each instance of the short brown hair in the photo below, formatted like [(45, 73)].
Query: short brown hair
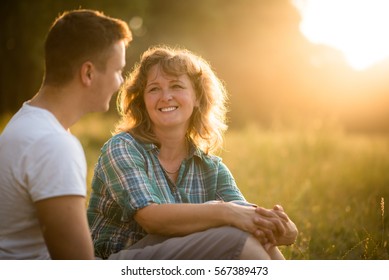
[(78, 36)]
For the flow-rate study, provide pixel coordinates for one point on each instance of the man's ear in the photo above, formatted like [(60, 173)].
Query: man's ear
[(87, 73)]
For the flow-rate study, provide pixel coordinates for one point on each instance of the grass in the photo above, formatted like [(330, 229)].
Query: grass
[(333, 185)]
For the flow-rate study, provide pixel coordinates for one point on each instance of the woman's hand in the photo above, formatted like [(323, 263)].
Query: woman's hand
[(274, 227), (262, 223), (290, 235)]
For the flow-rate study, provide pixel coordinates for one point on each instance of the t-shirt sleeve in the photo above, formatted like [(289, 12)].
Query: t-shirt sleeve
[(55, 166)]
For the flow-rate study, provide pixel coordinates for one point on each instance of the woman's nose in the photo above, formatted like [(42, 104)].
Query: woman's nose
[(166, 95)]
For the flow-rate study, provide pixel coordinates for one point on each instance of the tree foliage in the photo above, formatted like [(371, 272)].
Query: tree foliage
[(271, 71)]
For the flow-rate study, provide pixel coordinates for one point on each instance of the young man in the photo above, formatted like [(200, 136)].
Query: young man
[(42, 166)]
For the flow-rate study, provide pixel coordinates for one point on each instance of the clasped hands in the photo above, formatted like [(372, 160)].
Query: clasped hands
[(274, 227)]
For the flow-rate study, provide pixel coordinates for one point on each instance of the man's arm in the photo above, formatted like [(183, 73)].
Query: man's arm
[(65, 227)]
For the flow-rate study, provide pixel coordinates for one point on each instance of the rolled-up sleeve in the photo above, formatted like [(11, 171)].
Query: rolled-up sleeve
[(227, 189)]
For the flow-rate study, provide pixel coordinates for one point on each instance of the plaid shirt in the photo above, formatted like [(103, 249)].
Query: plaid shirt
[(128, 177)]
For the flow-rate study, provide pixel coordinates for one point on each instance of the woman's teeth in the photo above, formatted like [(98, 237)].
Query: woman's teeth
[(168, 109)]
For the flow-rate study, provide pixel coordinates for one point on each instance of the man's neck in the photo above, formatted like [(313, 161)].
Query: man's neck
[(60, 102)]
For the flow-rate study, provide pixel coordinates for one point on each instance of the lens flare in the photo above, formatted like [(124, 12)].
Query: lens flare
[(358, 28)]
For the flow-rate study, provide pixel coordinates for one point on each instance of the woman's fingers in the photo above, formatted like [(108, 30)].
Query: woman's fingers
[(276, 212), (271, 221), (278, 207), (264, 237), (264, 222)]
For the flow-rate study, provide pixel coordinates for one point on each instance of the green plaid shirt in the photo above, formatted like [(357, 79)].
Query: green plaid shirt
[(128, 177)]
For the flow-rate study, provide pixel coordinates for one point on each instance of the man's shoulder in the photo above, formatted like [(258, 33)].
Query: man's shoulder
[(31, 123)]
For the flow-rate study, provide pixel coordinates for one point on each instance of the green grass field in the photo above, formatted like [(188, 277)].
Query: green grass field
[(333, 185)]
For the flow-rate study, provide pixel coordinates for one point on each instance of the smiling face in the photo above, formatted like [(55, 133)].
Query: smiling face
[(169, 100)]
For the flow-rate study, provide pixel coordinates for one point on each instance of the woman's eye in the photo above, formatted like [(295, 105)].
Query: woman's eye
[(177, 87), (153, 89)]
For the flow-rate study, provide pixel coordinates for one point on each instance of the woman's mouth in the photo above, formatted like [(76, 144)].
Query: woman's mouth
[(168, 109)]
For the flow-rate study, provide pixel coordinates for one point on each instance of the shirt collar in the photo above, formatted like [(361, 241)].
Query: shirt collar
[(193, 150)]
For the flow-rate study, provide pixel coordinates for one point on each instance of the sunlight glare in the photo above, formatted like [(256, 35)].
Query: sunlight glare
[(358, 28)]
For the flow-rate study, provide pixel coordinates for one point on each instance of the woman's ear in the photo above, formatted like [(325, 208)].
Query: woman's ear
[(86, 73)]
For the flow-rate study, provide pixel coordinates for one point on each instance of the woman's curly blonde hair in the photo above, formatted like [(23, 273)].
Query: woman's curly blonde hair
[(208, 121)]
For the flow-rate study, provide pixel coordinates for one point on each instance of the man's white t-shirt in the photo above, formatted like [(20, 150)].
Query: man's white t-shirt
[(39, 159)]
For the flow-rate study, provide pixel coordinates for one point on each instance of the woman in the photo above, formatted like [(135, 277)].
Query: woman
[(159, 192)]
